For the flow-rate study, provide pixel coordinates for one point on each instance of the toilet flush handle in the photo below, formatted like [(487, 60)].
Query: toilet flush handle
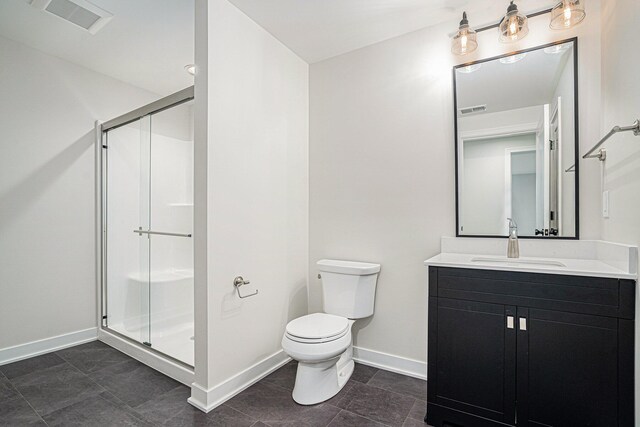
[(239, 281)]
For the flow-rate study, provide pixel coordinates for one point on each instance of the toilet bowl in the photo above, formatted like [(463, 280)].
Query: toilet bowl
[(322, 342)]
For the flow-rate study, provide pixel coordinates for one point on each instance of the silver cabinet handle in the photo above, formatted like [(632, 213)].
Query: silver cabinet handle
[(161, 233), (510, 322), (523, 323)]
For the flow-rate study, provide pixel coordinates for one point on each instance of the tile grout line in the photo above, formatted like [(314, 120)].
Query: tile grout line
[(26, 400), (131, 410), (365, 384), (335, 416), (393, 391), (229, 406)]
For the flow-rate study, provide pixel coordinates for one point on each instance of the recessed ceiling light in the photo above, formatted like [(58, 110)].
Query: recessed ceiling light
[(513, 58), (191, 69), (470, 68)]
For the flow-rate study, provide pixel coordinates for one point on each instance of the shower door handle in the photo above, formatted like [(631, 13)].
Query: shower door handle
[(160, 233)]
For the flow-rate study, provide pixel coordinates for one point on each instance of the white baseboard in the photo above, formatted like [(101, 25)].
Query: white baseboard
[(206, 400), (141, 354), (390, 362), (46, 345)]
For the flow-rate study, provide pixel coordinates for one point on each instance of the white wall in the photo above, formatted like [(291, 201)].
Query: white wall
[(621, 100), (382, 164), (47, 189), (492, 122), (257, 191)]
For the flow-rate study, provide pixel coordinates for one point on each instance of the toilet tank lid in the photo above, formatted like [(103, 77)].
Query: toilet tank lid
[(348, 267)]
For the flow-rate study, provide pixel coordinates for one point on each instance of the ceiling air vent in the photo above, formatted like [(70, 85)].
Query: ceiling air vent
[(473, 110), (79, 12)]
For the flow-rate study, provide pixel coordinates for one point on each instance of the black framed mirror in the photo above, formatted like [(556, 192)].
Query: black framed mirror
[(516, 139)]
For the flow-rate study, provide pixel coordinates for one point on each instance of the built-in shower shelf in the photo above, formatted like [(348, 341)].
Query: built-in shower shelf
[(181, 205)]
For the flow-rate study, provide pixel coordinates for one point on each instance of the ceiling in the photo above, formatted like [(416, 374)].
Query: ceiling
[(531, 81), (146, 44), (320, 29)]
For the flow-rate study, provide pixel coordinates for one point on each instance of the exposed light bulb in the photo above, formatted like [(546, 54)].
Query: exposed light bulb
[(567, 13), (463, 43), (513, 26)]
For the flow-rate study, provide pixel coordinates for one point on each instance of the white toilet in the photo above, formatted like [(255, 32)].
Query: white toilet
[(321, 342)]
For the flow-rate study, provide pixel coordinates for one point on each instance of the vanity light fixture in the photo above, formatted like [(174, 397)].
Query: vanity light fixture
[(191, 69), (514, 25), (557, 49), (513, 58), (567, 14), (470, 68), (465, 40)]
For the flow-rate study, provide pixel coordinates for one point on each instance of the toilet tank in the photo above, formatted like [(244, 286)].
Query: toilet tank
[(348, 287)]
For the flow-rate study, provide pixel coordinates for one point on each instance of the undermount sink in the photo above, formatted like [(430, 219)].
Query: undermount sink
[(517, 261)]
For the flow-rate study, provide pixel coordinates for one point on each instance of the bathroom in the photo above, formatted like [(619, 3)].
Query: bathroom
[(264, 137)]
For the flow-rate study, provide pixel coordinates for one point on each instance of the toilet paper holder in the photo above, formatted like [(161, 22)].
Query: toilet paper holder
[(239, 281)]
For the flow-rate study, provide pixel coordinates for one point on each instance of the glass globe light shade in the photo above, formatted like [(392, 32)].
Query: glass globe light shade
[(567, 14), (514, 25), (465, 40)]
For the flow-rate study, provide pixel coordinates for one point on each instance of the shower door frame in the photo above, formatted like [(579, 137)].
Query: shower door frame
[(160, 361)]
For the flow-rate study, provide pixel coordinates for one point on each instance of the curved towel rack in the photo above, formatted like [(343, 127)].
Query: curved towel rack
[(602, 154)]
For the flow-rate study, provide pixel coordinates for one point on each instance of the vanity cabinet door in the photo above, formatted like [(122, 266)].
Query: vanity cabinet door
[(567, 369), (474, 358)]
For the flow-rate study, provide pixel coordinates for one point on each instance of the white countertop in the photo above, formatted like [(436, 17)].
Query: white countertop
[(577, 258), (573, 267)]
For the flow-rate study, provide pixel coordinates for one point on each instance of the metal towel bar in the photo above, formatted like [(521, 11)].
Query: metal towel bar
[(602, 154), (161, 233)]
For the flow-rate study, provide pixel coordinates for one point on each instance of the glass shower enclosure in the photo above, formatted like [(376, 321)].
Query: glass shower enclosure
[(147, 226)]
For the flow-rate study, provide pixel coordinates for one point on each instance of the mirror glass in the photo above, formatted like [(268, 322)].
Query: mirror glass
[(516, 144)]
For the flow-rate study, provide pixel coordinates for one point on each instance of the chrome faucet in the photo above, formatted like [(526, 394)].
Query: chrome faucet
[(513, 249)]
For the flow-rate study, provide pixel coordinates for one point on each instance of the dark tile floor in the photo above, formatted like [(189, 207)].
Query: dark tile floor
[(96, 385)]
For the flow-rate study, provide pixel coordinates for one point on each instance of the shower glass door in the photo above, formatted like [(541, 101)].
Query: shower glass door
[(171, 207), (127, 184), (148, 225)]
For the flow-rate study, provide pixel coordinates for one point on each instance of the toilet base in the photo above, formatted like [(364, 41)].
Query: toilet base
[(318, 382)]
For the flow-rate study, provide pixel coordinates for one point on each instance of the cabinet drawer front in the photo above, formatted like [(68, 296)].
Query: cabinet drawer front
[(577, 294)]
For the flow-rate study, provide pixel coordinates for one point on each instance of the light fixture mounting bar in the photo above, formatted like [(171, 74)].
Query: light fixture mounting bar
[(529, 15), (496, 24)]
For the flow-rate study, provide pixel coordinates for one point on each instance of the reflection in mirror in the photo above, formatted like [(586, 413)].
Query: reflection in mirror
[(517, 144)]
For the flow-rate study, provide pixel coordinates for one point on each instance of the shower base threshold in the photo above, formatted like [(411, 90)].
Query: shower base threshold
[(175, 342)]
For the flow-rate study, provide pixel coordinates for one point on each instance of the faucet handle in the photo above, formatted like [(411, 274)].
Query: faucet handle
[(512, 223)]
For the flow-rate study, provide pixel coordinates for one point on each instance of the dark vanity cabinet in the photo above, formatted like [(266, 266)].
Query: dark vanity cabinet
[(526, 349)]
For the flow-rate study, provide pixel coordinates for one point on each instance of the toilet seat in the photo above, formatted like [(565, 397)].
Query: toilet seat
[(317, 328)]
